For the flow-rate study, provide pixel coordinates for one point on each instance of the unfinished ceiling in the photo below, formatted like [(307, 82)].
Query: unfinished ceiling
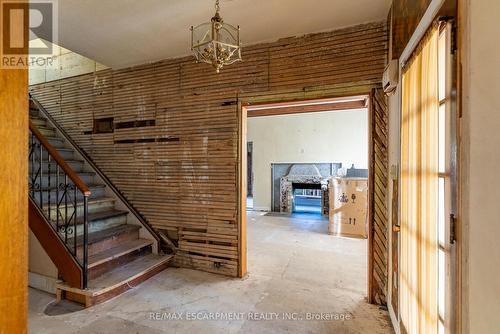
[(129, 32)]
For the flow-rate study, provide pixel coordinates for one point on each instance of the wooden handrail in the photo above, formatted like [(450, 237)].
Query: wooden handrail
[(60, 161)]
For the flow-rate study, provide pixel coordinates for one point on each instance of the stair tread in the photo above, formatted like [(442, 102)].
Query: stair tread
[(115, 252), (121, 275), (128, 271), (100, 235)]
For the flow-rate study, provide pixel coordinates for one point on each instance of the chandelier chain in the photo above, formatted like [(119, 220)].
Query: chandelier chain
[(217, 6)]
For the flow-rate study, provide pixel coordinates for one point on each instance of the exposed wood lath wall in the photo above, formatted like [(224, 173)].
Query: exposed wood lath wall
[(406, 15), (379, 183), (181, 172)]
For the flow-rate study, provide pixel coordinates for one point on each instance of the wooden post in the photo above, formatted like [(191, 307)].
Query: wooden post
[(13, 195), (13, 200), (242, 191)]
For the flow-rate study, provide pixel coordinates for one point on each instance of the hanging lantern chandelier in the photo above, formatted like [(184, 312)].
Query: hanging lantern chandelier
[(215, 42)]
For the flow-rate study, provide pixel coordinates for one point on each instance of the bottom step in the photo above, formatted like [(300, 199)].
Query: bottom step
[(116, 281)]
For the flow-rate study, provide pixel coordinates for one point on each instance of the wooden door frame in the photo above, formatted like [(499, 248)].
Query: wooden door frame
[(243, 103)]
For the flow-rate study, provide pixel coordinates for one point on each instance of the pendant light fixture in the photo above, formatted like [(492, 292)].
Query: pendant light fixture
[(216, 42)]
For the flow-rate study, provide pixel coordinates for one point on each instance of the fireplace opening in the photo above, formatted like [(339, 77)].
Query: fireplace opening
[(307, 198)]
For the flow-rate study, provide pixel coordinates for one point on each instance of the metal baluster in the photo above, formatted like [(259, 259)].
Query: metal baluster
[(57, 198), (74, 218), (65, 194), (41, 176), (48, 185), (85, 241), (32, 153)]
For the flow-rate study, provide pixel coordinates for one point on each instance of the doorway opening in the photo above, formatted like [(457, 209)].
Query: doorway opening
[(302, 160)]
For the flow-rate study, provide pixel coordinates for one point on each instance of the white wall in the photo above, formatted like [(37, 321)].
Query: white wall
[(338, 136), (62, 64), (42, 271), (481, 159)]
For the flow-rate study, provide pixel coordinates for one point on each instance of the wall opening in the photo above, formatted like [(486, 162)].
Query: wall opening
[(297, 150)]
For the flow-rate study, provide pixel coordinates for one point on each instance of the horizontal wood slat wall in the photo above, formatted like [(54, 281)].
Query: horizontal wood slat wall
[(184, 180)]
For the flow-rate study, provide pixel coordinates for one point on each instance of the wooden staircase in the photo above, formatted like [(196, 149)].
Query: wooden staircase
[(111, 249)]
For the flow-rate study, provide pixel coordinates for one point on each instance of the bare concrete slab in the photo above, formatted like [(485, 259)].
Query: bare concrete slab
[(301, 280)]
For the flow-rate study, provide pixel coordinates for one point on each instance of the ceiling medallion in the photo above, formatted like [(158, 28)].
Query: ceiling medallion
[(215, 42)]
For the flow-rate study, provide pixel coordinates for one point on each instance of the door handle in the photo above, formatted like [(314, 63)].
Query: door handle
[(396, 228)]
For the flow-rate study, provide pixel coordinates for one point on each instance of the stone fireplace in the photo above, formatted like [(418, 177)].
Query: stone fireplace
[(300, 175)]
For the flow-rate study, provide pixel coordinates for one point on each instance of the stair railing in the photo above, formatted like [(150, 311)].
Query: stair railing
[(61, 196)]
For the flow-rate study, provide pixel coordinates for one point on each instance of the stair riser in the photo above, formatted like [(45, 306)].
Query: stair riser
[(111, 242), (102, 224), (47, 132), (38, 121), (86, 178), (95, 226), (96, 192), (65, 154), (56, 142), (103, 268), (93, 207)]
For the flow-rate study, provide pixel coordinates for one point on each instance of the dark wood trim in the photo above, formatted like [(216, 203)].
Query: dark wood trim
[(68, 268), (298, 109), (60, 160), (295, 102)]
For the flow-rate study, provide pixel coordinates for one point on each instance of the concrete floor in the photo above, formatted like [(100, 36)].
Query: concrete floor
[(295, 268)]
